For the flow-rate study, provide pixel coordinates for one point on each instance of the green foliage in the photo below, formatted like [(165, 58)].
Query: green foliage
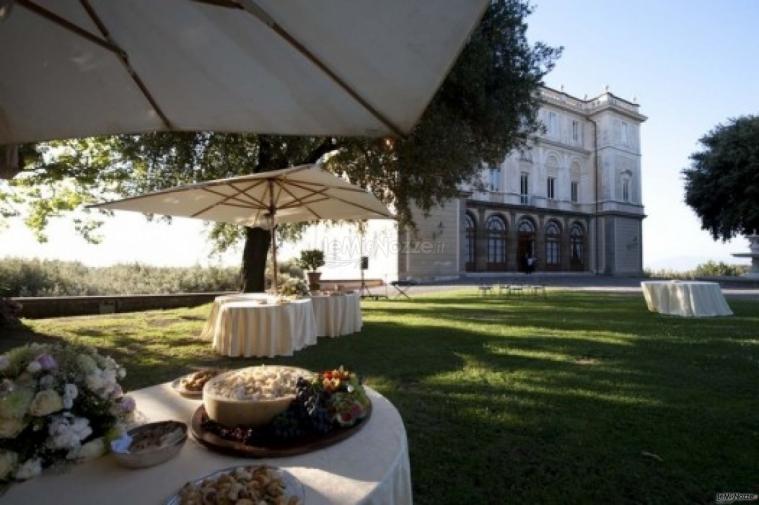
[(714, 269), (708, 269), (286, 270), (722, 182), (23, 277), (486, 107), (311, 259)]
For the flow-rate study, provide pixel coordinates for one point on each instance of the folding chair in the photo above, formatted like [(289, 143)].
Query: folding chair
[(485, 289), (516, 288), (402, 287)]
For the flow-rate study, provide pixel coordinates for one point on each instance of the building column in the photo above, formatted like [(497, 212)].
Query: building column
[(481, 243), (565, 251), (540, 242), (512, 243)]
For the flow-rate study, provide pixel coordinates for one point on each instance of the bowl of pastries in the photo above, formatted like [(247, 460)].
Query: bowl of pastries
[(251, 396)]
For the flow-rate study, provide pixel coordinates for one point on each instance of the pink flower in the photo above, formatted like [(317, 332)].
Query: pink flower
[(127, 404), (47, 362)]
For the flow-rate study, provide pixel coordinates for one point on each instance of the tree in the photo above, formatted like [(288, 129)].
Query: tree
[(486, 107), (722, 182)]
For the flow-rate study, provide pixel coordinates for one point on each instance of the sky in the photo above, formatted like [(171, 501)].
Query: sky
[(691, 64)]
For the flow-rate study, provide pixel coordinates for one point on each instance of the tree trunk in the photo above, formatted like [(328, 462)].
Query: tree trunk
[(258, 240), (9, 162), (254, 260)]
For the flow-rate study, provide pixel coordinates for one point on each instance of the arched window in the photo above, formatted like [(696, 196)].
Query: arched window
[(553, 248), (526, 242), (496, 227), (470, 240), (577, 246), (526, 226)]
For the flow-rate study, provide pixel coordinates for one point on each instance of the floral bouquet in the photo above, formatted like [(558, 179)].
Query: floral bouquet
[(57, 404), (294, 287)]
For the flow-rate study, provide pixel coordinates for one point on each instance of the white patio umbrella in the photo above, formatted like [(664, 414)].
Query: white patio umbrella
[(291, 195), (75, 68)]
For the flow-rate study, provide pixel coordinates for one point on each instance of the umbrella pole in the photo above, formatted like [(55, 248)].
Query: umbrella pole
[(272, 212), (274, 256)]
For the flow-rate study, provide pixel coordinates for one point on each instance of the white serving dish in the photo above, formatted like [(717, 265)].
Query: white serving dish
[(246, 412)]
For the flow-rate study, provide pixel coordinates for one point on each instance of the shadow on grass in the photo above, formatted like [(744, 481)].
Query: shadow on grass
[(528, 400)]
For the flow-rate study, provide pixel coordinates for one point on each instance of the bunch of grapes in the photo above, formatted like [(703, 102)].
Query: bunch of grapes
[(307, 413), (287, 425)]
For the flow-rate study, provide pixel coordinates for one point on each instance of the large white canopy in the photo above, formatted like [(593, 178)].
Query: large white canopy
[(74, 68), (290, 195)]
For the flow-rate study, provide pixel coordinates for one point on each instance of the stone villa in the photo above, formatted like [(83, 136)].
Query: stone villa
[(572, 199)]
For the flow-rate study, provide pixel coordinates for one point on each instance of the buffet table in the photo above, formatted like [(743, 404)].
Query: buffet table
[(687, 299), (337, 314), (240, 326), (370, 468)]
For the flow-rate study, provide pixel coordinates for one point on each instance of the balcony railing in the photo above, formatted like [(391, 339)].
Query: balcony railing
[(606, 99)]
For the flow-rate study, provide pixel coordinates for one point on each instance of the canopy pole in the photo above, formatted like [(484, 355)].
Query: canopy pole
[(273, 231), (274, 255)]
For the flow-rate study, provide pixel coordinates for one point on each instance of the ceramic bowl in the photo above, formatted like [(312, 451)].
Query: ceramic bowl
[(247, 412), (123, 448)]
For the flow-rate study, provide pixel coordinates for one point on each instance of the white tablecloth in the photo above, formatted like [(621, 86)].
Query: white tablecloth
[(688, 299), (369, 468), (337, 315), (238, 326)]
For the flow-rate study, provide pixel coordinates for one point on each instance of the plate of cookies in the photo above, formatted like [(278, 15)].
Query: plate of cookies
[(191, 385), (249, 484)]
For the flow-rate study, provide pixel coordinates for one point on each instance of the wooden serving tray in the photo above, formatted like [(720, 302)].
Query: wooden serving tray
[(274, 448)]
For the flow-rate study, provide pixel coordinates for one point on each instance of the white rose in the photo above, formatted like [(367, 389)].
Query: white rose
[(33, 367), (70, 392), (30, 469), (67, 431), (45, 403), (8, 463), (91, 450)]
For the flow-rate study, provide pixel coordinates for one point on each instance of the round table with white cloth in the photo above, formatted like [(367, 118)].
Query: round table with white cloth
[(369, 468), (240, 326), (686, 298), (337, 314)]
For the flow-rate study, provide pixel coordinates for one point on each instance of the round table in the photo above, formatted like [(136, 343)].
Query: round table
[(240, 326), (337, 314), (686, 298), (369, 468)]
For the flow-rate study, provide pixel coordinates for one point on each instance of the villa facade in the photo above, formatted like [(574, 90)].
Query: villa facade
[(572, 199)]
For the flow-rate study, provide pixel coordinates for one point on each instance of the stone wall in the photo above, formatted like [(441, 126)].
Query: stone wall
[(63, 306)]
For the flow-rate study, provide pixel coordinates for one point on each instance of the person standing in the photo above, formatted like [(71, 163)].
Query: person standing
[(531, 260)]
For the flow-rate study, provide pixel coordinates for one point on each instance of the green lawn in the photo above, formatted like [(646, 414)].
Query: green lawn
[(577, 398)]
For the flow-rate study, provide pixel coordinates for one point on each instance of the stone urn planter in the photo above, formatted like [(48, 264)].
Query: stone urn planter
[(313, 280), (311, 260)]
